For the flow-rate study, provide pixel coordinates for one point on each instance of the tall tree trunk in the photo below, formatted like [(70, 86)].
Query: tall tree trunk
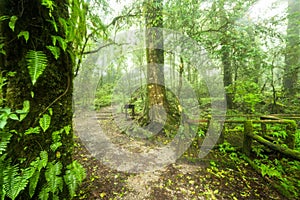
[(292, 54), (227, 71), (156, 102), (52, 90)]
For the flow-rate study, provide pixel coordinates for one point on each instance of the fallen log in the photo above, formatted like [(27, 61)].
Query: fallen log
[(284, 150)]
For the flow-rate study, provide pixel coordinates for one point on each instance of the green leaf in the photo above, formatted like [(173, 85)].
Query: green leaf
[(4, 141), (31, 130), (44, 193), (12, 22), (25, 34), (33, 183), (3, 18), (74, 176), (23, 113), (55, 146), (67, 129), (14, 117), (62, 42), (36, 64), (45, 122), (55, 51), (53, 24), (50, 111), (44, 159), (54, 182), (15, 183)]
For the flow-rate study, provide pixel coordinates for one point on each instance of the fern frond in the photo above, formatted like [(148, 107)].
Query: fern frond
[(4, 141), (33, 183), (55, 51), (36, 64), (45, 122), (3, 164), (15, 183), (37, 165), (74, 177), (52, 173), (44, 193)]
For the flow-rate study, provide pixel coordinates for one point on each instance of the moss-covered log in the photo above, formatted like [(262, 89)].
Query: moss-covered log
[(284, 150)]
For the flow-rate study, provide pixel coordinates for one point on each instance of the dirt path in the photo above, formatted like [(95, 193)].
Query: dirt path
[(215, 177)]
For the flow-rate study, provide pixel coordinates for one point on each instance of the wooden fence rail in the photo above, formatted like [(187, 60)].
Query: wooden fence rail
[(249, 136)]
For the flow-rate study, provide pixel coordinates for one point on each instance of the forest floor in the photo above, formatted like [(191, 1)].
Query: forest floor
[(217, 176)]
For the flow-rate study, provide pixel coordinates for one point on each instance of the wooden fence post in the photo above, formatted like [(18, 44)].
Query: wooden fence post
[(248, 130), (221, 137), (263, 128), (291, 128)]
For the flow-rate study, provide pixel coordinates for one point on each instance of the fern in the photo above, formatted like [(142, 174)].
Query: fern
[(75, 174), (45, 122), (36, 64), (3, 164), (37, 165), (55, 51), (44, 193), (4, 141), (54, 182), (13, 182)]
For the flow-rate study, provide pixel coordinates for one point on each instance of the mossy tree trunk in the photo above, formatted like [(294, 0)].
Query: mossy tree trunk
[(156, 100), (53, 88), (292, 54)]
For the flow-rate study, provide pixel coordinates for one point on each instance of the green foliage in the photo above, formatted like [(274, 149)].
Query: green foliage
[(24, 34), (74, 176), (45, 122), (104, 95), (4, 141), (55, 51), (50, 5), (36, 63), (15, 179), (247, 95), (12, 22)]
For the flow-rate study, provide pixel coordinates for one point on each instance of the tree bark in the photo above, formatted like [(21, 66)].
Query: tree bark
[(53, 88), (227, 74), (292, 54), (156, 99)]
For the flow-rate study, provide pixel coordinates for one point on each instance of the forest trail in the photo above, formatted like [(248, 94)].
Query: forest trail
[(214, 177)]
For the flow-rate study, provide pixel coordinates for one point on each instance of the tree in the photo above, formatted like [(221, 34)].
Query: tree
[(156, 93), (292, 54), (40, 41)]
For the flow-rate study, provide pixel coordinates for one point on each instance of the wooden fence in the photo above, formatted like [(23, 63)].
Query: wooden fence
[(249, 136)]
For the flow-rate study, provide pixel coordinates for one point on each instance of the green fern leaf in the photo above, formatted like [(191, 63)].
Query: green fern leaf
[(44, 159), (33, 183), (25, 34), (44, 193), (36, 64), (15, 183), (45, 122), (23, 113), (4, 141), (37, 165), (62, 42), (55, 51), (3, 164), (52, 173), (12, 22), (55, 146), (74, 176), (31, 130)]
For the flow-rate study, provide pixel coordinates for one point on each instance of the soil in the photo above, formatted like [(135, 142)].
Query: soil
[(217, 176)]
